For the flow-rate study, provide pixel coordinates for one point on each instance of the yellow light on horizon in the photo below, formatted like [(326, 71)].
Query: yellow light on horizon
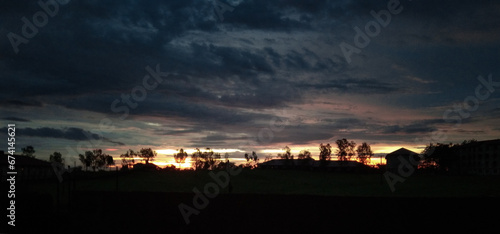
[(166, 151), (162, 163), (272, 151), (190, 151)]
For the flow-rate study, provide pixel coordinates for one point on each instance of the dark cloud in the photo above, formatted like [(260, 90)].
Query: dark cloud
[(16, 119), (216, 140), (228, 76), (417, 127), (365, 86), (473, 132), (21, 103), (76, 134)]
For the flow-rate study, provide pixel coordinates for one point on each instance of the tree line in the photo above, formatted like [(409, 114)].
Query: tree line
[(94, 159), (201, 159), (441, 157), (207, 159), (436, 156), (345, 151)]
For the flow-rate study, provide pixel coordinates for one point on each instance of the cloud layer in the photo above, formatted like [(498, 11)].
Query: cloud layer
[(229, 79)]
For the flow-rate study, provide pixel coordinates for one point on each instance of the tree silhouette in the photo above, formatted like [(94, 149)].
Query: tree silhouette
[(86, 159), (252, 159), (226, 164), (180, 157), (29, 151), (96, 159), (465, 142), (56, 157), (304, 157), (364, 153), (206, 160), (287, 155), (304, 154), (345, 149), (196, 159), (213, 160), (147, 154), (128, 158), (109, 160), (325, 152), (441, 156), (99, 159)]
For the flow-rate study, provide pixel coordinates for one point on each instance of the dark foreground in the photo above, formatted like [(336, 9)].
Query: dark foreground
[(154, 212)]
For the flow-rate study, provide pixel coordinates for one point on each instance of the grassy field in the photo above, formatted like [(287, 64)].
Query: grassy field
[(293, 182), (266, 197)]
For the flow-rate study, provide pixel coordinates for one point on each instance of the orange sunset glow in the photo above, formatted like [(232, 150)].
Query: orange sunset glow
[(165, 156), (287, 116)]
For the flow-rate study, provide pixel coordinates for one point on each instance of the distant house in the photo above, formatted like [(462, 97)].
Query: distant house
[(27, 168), (279, 164), (145, 167), (400, 156), (480, 157)]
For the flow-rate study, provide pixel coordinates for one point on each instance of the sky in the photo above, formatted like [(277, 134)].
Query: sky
[(240, 76)]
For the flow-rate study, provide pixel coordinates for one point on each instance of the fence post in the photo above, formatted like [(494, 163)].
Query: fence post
[(116, 171), (58, 197)]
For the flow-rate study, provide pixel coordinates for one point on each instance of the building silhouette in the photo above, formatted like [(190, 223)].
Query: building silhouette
[(399, 157), (479, 157)]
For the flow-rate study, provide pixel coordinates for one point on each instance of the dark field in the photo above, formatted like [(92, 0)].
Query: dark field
[(261, 201), (284, 182)]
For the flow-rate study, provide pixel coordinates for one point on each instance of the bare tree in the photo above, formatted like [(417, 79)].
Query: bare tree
[(109, 161), (252, 159), (325, 152), (96, 159), (147, 154), (56, 157), (86, 159), (287, 155), (304, 154), (345, 149), (180, 157), (29, 151), (206, 160), (364, 153), (128, 158)]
